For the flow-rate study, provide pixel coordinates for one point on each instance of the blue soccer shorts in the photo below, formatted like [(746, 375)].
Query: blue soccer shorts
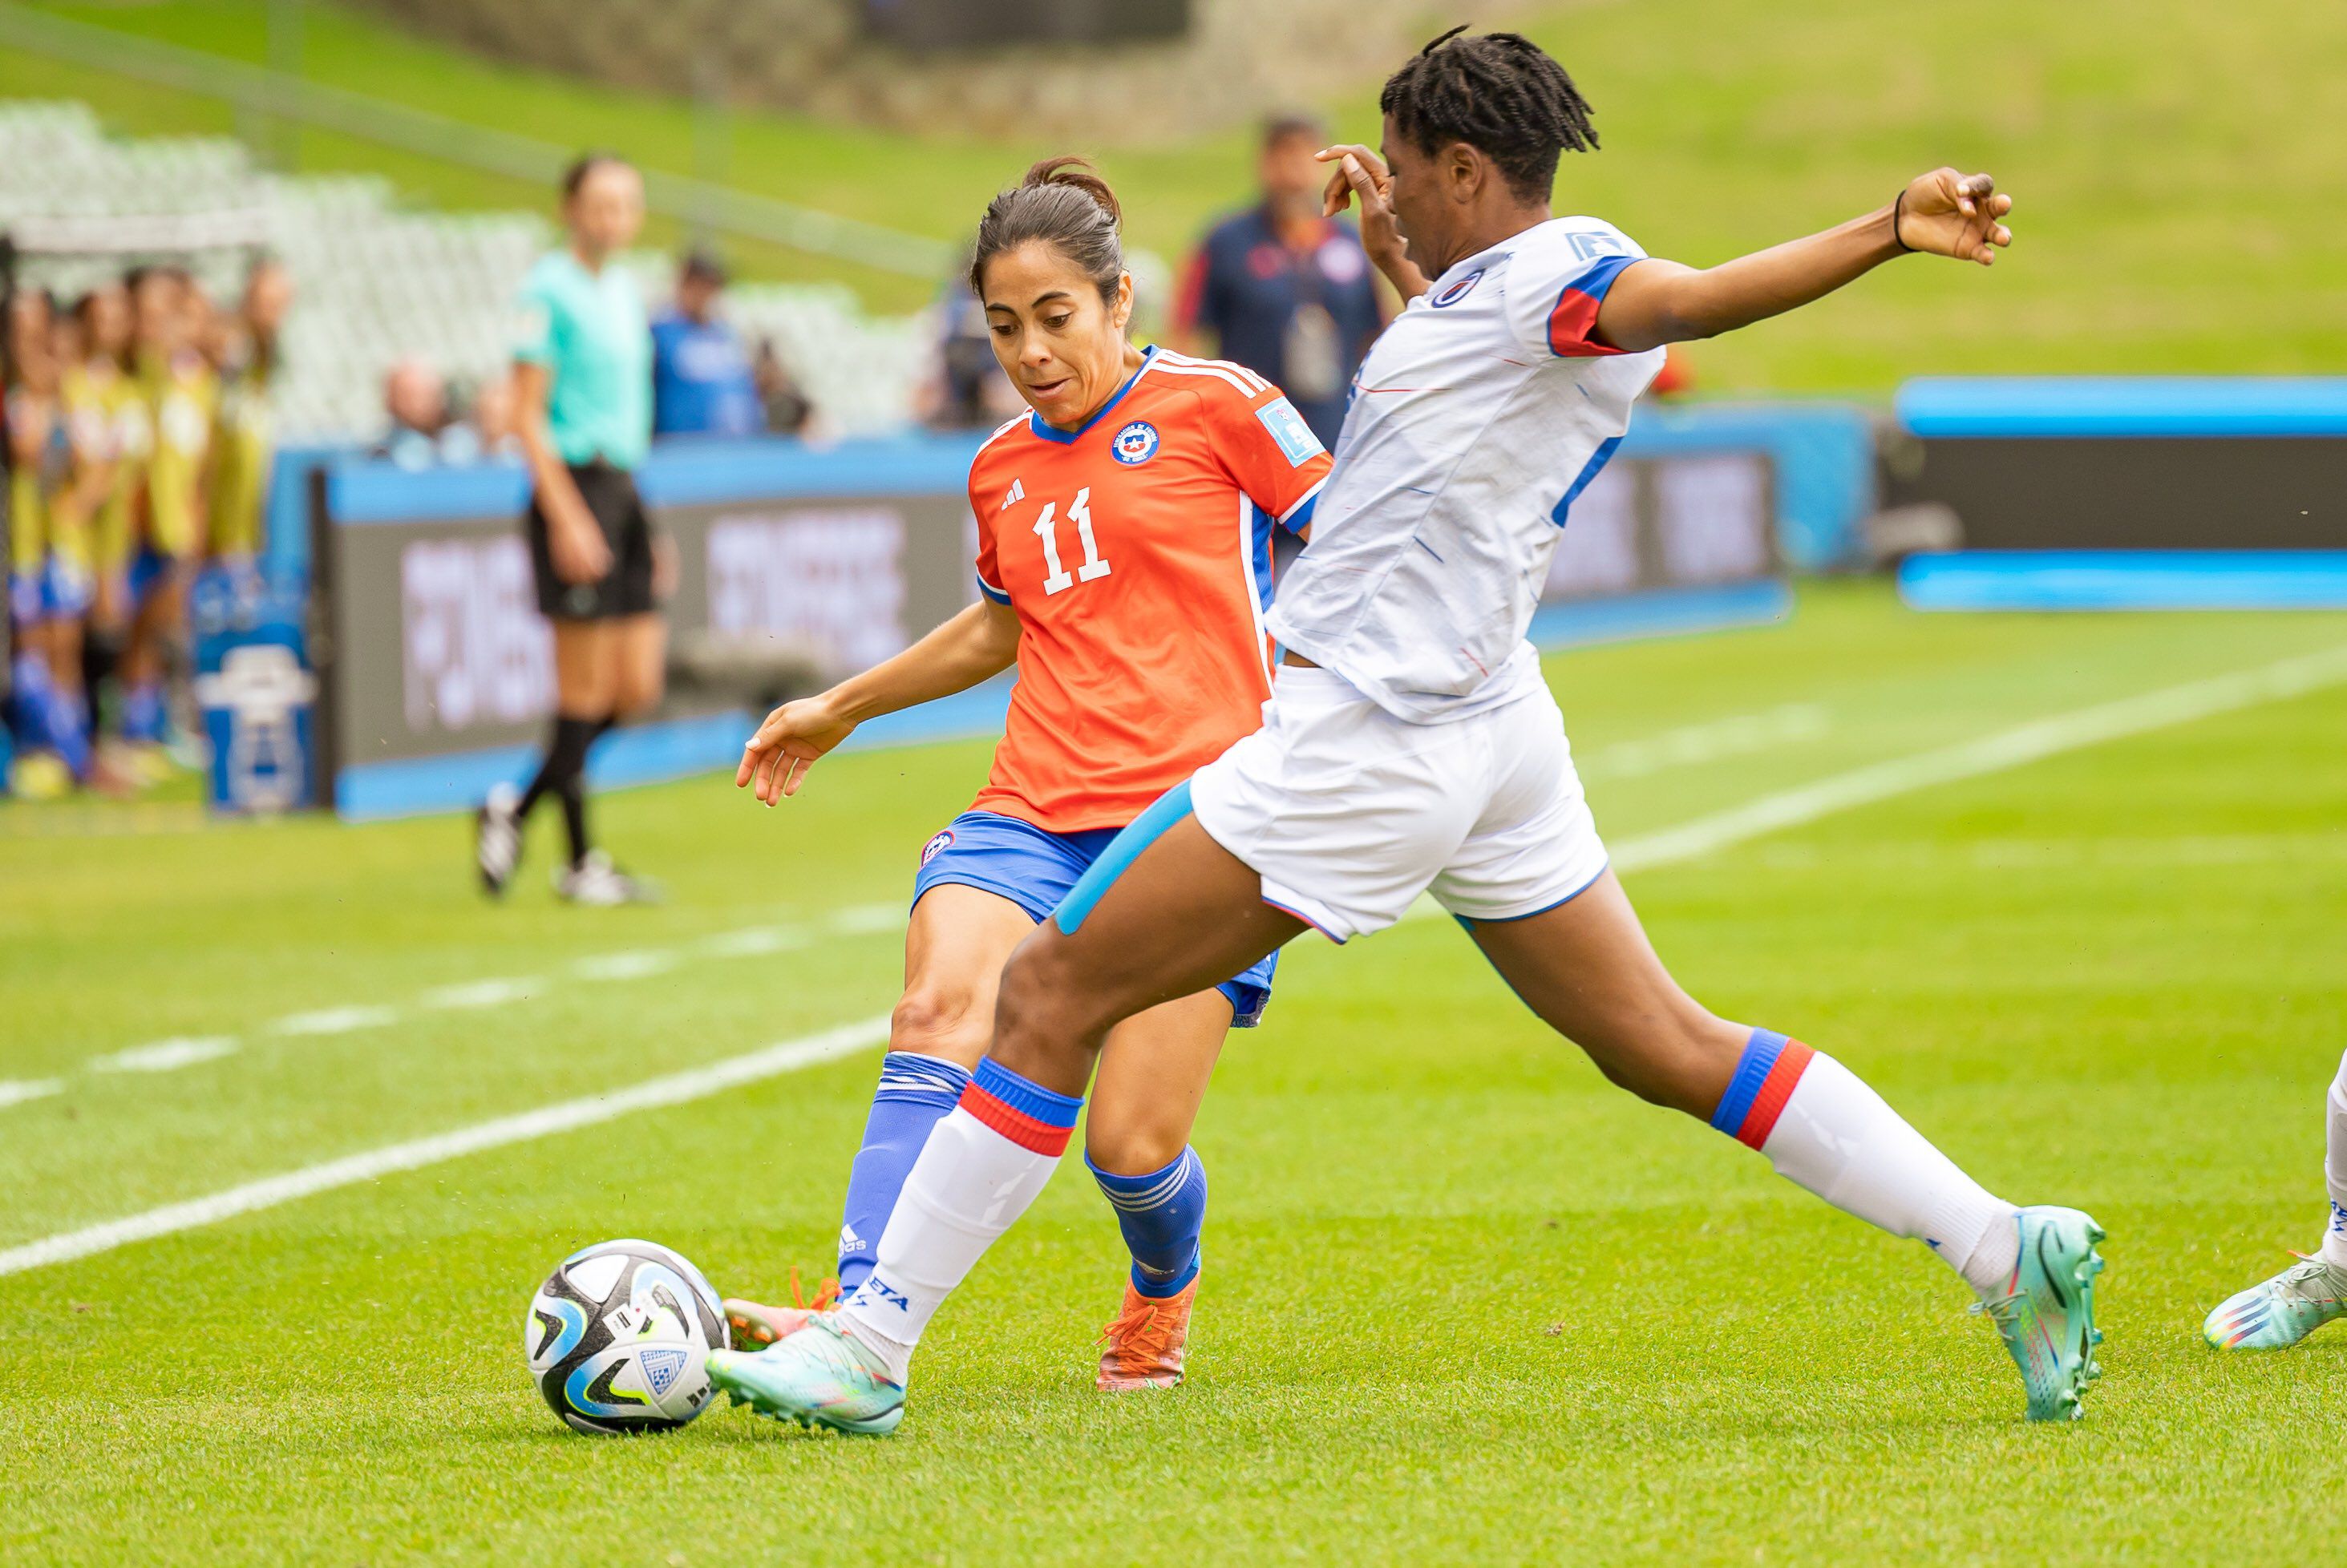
[(1034, 869)]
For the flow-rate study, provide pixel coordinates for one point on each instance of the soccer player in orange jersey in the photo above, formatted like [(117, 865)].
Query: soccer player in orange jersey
[(1123, 565)]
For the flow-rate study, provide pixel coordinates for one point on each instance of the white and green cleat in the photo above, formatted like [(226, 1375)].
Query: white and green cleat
[(2047, 1317), (2283, 1311), (818, 1376)]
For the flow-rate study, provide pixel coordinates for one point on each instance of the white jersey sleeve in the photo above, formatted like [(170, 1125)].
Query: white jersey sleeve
[(1557, 278)]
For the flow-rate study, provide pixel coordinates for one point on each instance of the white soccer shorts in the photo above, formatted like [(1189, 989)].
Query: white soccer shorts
[(1349, 813)]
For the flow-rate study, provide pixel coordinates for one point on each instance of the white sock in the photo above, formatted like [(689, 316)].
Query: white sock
[(1821, 1126), (2334, 1170), (969, 1186)]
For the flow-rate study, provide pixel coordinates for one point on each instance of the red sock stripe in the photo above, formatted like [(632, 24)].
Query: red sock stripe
[(1014, 1123), (1774, 1090)]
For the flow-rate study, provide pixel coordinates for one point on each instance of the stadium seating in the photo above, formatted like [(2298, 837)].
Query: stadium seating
[(378, 283)]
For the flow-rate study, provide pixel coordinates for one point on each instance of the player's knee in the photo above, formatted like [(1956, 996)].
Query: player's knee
[(932, 1021), (1130, 1148), (1039, 1019)]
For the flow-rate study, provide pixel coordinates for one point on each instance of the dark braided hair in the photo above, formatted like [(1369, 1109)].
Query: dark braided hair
[(1501, 96)]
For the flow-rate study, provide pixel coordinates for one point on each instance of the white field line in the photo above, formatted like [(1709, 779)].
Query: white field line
[(630, 964), (1969, 759), (1990, 753), (165, 1055), (674, 1088), (2012, 748), (16, 1090), (1713, 741)]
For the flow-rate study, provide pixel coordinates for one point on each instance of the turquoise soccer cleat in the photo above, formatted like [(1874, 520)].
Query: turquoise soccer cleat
[(818, 1376), (2283, 1310), (2046, 1317)]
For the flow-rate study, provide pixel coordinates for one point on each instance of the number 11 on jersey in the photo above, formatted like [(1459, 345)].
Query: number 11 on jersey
[(1079, 512)]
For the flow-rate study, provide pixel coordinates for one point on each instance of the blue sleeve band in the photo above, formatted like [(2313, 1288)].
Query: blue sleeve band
[(1122, 852), (991, 591), (1761, 1053), (1297, 521)]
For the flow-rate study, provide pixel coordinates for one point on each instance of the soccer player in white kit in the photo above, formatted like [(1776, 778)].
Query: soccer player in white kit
[(1410, 745)]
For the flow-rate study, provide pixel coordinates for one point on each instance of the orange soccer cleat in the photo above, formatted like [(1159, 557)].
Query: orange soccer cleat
[(754, 1327), (1144, 1348)]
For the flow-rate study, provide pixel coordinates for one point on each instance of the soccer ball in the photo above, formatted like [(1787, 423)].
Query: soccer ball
[(619, 1338)]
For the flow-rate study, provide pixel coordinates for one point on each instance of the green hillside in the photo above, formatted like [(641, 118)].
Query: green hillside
[(2173, 162)]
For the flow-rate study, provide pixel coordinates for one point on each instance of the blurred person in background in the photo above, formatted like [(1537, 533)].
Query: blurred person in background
[(1282, 289), (170, 317), (583, 388), (248, 362), (104, 391), (422, 431), (701, 380), (492, 416), (53, 745), (969, 391), (789, 411)]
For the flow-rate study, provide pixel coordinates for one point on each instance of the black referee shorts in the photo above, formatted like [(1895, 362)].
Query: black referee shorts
[(627, 589)]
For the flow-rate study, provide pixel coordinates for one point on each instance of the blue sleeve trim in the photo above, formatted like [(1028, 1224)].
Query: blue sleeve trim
[(1122, 850), (990, 591), (1299, 516)]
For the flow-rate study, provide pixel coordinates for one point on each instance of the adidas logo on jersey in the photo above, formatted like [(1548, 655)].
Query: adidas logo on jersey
[(1017, 493)]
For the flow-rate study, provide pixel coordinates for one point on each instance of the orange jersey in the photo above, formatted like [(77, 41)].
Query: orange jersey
[(1137, 552)]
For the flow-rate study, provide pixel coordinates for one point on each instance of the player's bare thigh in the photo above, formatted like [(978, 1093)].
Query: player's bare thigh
[(955, 948), (1588, 970), (584, 667), (1185, 916)]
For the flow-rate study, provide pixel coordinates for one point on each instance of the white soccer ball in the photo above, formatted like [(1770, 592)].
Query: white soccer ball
[(618, 1338)]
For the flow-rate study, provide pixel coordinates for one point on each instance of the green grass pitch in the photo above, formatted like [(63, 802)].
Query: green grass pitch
[(1463, 1301)]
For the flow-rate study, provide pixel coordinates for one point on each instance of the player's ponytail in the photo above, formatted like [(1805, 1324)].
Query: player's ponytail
[(1065, 203)]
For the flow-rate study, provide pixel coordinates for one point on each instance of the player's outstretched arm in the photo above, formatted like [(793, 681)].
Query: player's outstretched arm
[(1944, 213), (980, 642)]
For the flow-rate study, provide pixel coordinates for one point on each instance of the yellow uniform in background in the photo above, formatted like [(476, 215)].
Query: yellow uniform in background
[(117, 399), (240, 457), (182, 393), (28, 538)]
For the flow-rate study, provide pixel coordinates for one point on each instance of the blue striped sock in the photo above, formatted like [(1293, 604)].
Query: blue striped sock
[(1161, 1215), (915, 1094)]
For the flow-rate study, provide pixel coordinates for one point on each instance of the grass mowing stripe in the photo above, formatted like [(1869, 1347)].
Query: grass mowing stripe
[(674, 1089), (1861, 786)]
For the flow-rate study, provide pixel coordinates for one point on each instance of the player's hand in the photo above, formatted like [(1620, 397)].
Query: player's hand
[(1362, 176), (795, 735), (1951, 214), (581, 554)]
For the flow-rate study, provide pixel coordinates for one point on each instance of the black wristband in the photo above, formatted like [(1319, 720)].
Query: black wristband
[(1896, 209)]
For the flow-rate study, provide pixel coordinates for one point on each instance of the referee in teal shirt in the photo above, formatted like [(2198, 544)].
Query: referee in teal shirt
[(582, 385)]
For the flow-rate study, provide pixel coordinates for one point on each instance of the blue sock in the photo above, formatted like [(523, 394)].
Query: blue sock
[(142, 712), (915, 1094), (1162, 1215), (33, 707)]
